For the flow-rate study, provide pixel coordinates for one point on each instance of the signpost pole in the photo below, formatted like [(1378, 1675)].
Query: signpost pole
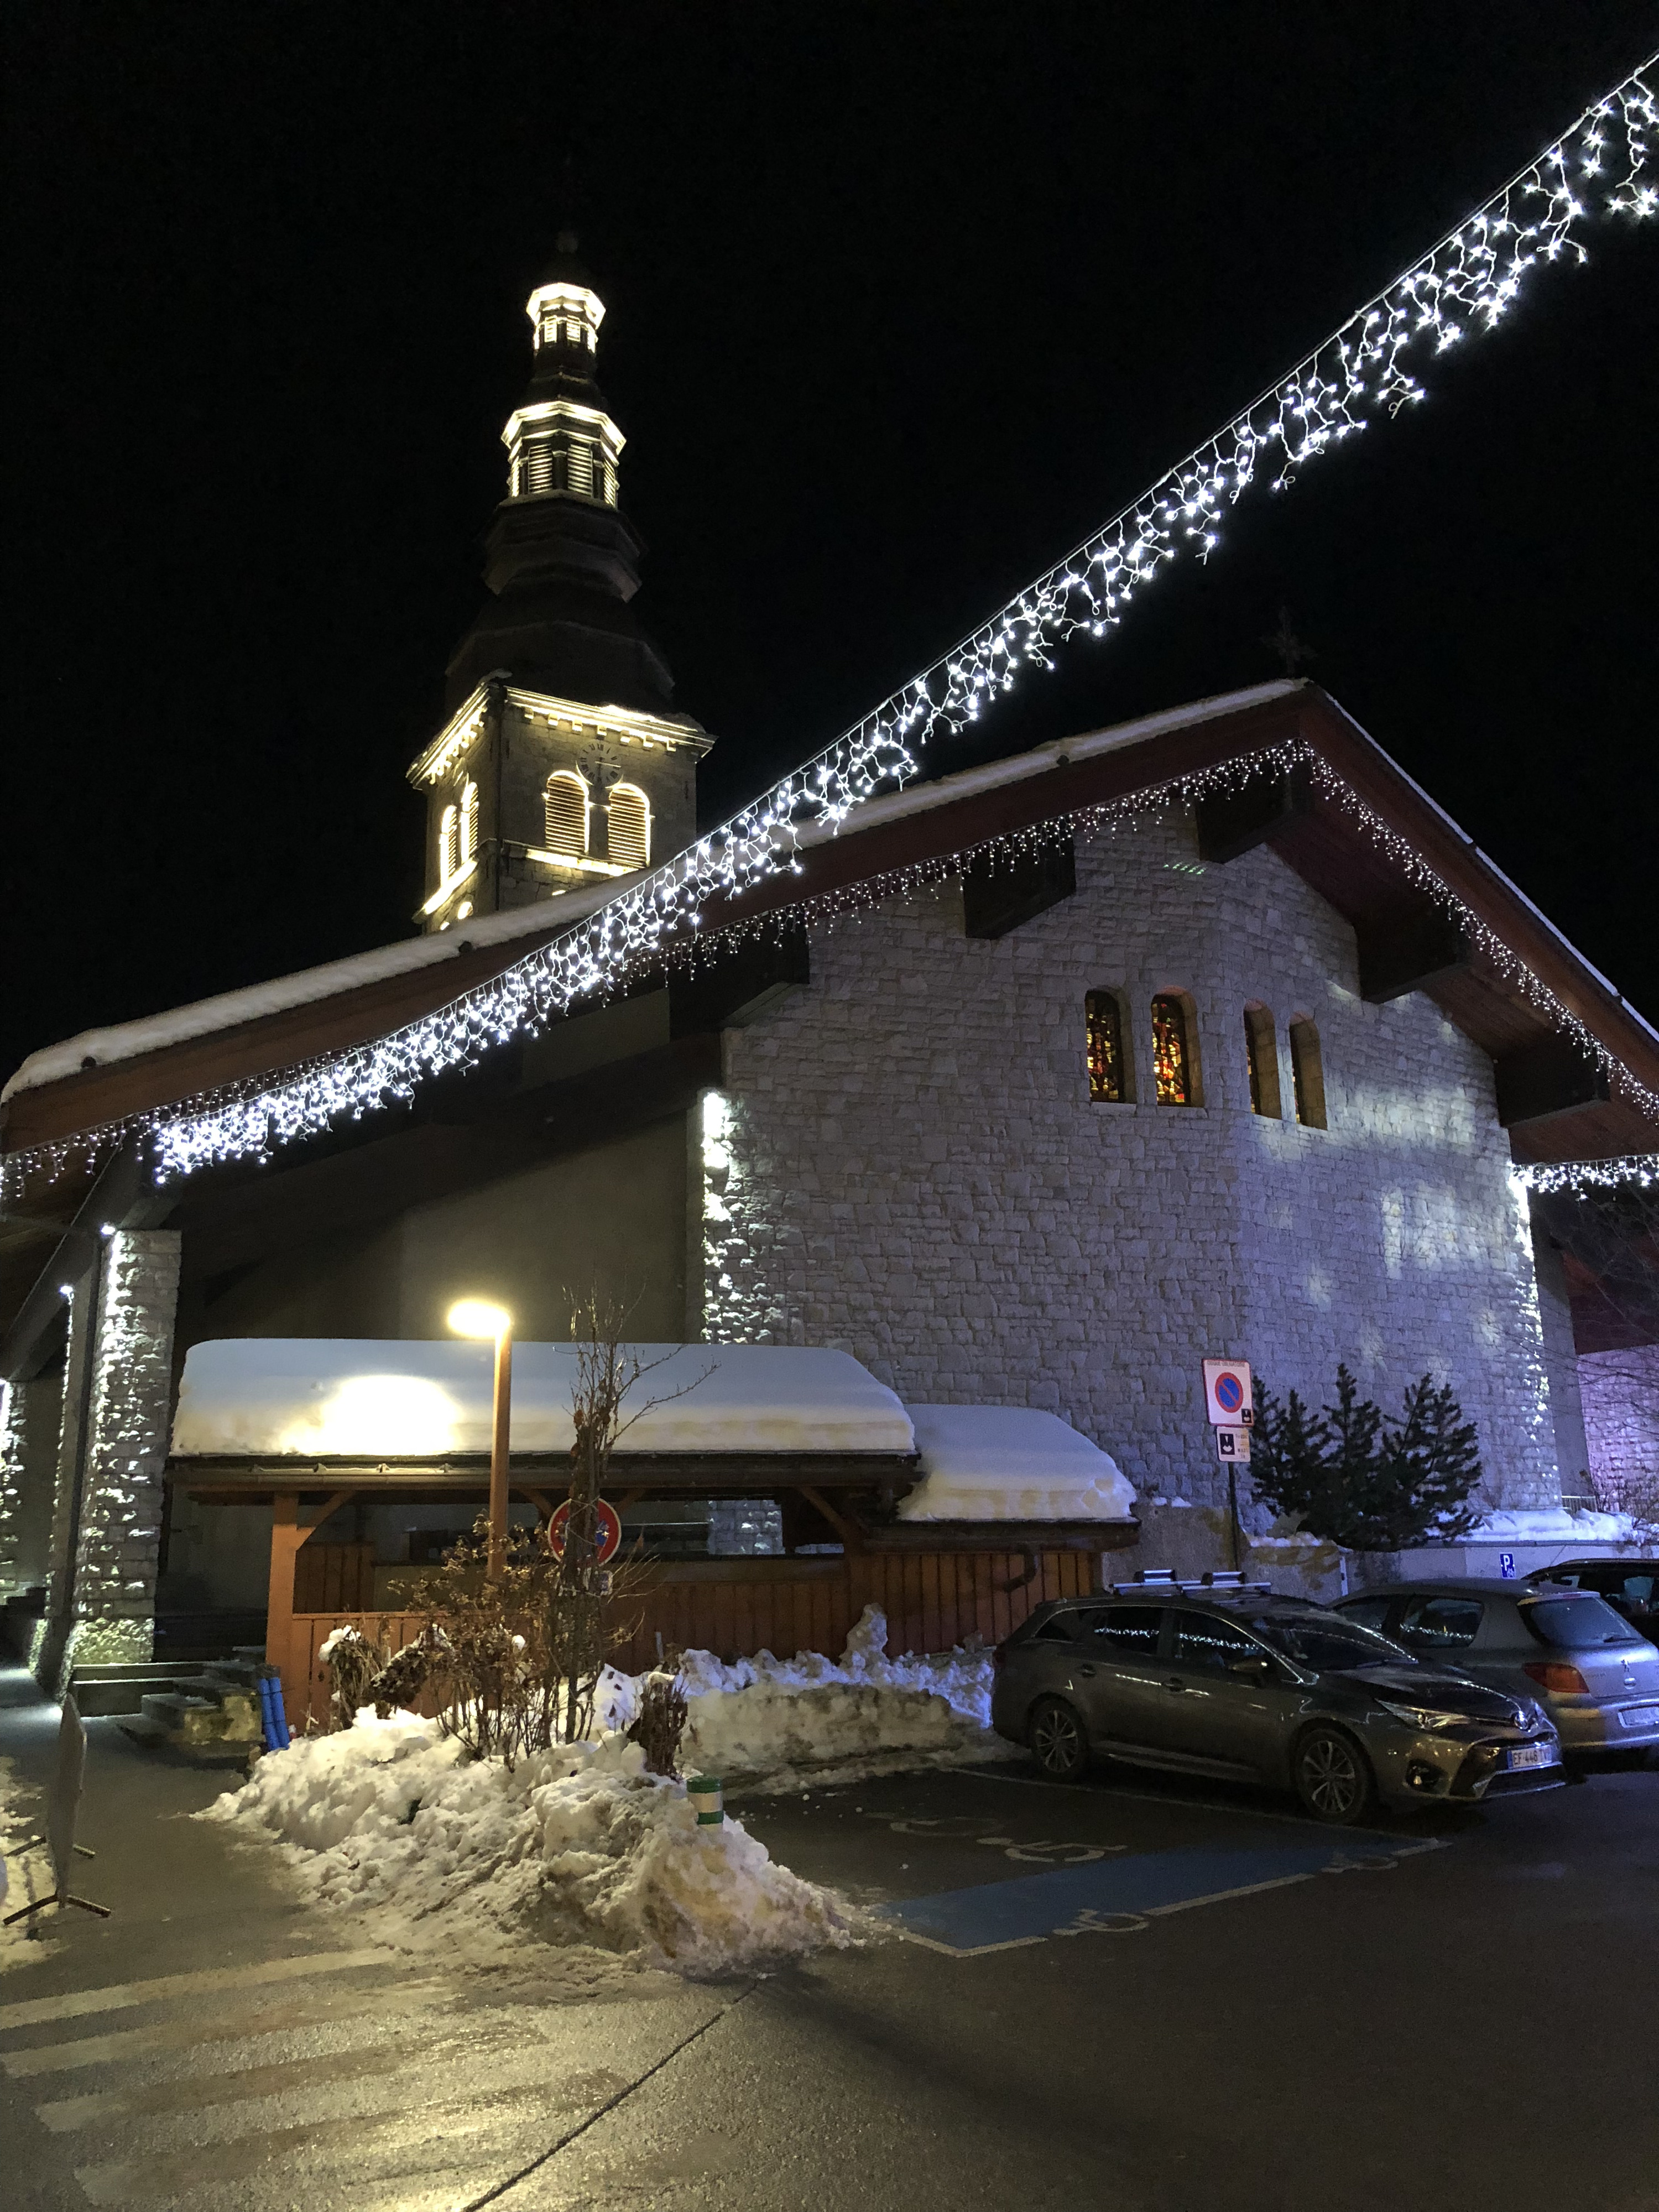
[(500, 1431)]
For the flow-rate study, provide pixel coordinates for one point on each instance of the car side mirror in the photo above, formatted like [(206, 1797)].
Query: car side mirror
[(1256, 1669)]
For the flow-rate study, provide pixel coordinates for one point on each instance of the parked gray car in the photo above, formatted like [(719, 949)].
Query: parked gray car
[(1244, 1685), (1595, 1675)]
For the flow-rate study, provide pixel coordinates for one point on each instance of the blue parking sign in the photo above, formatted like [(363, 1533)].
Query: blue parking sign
[(1506, 1565)]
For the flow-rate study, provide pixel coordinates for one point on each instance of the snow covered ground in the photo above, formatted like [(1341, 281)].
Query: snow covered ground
[(579, 1846)]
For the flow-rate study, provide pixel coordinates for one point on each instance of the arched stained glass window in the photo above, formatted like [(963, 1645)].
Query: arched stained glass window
[(1261, 1057), (1109, 1073), (565, 801), (1307, 1073), (1173, 1073), (629, 826)]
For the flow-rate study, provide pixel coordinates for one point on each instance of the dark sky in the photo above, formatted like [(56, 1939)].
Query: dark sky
[(902, 301)]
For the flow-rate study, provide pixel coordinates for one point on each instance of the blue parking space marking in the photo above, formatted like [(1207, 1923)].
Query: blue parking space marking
[(1121, 1895)]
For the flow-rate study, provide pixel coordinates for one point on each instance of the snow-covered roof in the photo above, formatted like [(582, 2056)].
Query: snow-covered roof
[(360, 1397), (349, 1397), (306, 986), (1011, 1463)]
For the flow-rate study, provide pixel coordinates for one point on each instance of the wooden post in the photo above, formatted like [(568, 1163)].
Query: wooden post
[(498, 1451), (279, 1604), (286, 1538)]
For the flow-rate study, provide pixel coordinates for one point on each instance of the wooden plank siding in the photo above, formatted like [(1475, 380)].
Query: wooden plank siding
[(931, 1600)]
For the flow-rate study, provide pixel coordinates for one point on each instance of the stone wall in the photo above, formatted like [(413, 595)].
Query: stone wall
[(1621, 1392), (905, 1162), (126, 1448), (28, 1462)]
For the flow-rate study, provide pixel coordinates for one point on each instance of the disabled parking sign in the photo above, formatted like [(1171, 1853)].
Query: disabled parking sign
[(1227, 1394)]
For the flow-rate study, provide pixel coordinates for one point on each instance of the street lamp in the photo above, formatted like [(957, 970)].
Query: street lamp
[(477, 1317)]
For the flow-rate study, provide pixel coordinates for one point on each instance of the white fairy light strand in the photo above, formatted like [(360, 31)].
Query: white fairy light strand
[(1632, 1172), (1464, 285)]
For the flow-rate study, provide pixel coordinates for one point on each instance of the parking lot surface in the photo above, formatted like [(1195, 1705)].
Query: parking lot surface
[(1132, 1994)]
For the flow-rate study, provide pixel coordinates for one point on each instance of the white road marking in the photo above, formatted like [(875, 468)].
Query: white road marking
[(205, 2036), (76, 2003)]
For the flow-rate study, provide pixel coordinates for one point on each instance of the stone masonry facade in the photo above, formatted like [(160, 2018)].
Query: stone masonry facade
[(126, 1448), (905, 1162), (13, 1448)]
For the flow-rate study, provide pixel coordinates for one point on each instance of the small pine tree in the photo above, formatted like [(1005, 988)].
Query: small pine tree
[(1368, 1480)]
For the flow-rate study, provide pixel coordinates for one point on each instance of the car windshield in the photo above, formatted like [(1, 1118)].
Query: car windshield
[(1327, 1644), (1577, 1624)]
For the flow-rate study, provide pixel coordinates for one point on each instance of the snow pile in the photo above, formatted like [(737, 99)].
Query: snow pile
[(352, 1395), (773, 1722), (1551, 1524), (578, 1845), (1011, 1463)]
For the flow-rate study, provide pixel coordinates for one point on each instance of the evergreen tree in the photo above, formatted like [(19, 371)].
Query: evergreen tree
[(1368, 1480)]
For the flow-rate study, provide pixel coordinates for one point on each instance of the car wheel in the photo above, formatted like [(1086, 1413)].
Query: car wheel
[(1058, 1743), (1332, 1778)]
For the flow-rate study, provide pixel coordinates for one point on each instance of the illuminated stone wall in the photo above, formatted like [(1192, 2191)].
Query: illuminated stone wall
[(907, 1163), (1621, 1420), (127, 1449)]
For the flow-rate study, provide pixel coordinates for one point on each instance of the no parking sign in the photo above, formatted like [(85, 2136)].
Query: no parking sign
[(1227, 1393)]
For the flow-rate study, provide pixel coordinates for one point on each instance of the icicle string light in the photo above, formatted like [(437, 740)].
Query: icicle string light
[(1602, 167), (1634, 1171)]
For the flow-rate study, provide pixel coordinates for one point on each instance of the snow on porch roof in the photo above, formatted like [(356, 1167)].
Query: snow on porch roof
[(352, 1397), (358, 1397)]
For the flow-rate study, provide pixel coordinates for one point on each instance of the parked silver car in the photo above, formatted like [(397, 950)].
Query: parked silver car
[(1250, 1686), (1595, 1675), (1631, 1586)]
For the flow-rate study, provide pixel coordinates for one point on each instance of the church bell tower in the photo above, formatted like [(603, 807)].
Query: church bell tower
[(563, 762)]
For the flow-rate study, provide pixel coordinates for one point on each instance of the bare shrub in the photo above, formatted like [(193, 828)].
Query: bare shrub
[(353, 1662), (659, 1723)]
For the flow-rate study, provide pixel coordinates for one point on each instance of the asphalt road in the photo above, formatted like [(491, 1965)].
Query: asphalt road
[(1125, 1996)]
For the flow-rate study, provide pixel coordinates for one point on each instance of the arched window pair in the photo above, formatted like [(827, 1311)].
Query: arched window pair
[(457, 833), (569, 813), (1307, 1067), (1111, 1057)]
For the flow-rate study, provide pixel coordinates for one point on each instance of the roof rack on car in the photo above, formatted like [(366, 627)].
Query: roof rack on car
[(1219, 1582)]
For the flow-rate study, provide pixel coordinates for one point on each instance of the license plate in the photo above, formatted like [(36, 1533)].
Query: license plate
[(1638, 1717), (1532, 1754)]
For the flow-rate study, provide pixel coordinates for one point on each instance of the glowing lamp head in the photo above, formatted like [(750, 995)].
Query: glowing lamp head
[(477, 1317)]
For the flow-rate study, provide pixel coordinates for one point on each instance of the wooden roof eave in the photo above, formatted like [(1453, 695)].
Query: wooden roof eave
[(255, 1478)]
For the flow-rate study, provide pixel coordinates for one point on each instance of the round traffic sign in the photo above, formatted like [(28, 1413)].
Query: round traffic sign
[(1229, 1393), (607, 1531)]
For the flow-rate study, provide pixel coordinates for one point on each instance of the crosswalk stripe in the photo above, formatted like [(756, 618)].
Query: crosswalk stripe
[(131, 2183), (202, 2035), (75, 2003)]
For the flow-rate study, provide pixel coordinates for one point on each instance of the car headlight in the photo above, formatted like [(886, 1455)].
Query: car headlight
[(1421, 1716)]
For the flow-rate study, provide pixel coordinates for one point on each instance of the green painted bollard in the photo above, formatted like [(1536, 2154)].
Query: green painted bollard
[(706, 1794)]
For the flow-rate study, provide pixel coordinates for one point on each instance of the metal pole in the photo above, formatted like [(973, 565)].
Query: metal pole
[(498, 1450)]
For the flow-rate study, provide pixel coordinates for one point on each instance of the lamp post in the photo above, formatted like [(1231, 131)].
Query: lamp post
[(476, 1317)]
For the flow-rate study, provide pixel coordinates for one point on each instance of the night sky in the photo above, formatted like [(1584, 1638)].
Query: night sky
[(902, 302)]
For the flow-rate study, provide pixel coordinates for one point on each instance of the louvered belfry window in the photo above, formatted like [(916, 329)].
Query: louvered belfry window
[(449, 844), (1103, 1020), (469, 822), (1171, 1071), (630, 827), (566, 800), (538, 470)]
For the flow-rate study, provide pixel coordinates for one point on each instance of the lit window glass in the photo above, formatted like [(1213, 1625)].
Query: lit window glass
[(1170, 1073), (1103, 1020)]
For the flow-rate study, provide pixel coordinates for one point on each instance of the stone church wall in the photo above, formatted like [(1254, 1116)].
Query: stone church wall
[(905, 1162), (1621, 1419)]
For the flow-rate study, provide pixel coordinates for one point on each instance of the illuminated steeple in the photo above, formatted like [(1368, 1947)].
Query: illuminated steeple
[(562, 558)]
